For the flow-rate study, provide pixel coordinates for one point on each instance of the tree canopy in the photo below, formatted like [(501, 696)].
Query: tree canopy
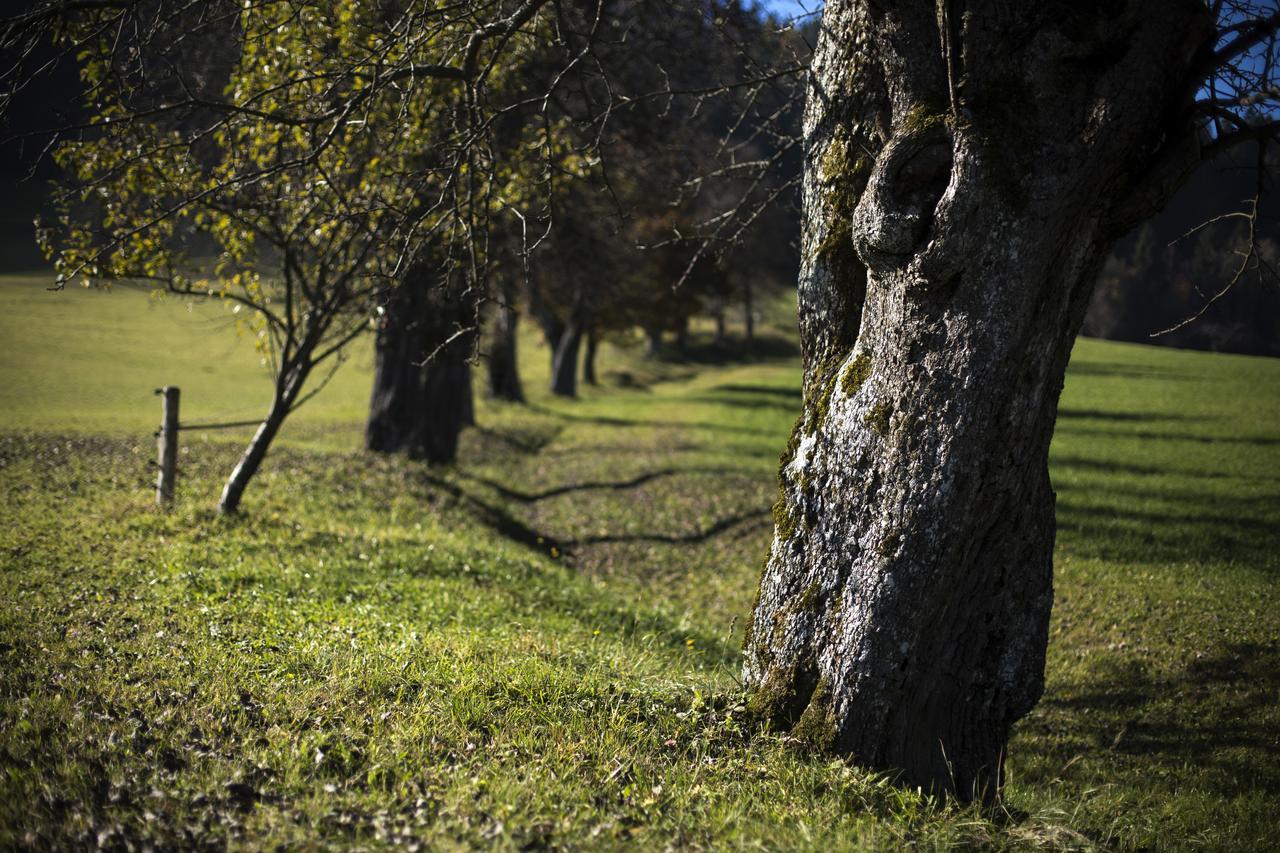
[(297, 158)]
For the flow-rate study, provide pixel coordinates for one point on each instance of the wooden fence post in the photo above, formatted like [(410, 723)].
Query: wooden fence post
[(167, 446)]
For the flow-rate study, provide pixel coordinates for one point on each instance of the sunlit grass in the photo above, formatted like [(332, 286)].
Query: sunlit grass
[(540, 646)]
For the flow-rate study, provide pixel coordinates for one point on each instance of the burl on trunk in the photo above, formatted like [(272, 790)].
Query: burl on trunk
[(967, 165)]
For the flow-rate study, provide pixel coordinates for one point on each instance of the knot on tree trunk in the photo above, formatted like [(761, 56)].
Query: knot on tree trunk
[(894, 214)]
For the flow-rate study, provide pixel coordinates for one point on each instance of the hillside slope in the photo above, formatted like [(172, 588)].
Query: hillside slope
[(540, 646)]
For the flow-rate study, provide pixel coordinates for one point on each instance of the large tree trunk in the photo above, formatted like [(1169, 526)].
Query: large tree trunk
[(504, 370), (963, 181), (422, 375)]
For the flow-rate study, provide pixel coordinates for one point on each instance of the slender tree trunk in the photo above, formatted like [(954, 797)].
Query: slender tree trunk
[(589, 358), (504, 370), (468, 396), (654, 336), (903, 612), (553, 329), (564, 361), (287, 390), (421, 396), (720, 327), (748, 313), (682, 336)]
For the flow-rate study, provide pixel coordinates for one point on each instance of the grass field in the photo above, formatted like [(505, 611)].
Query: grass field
[(540, 646)]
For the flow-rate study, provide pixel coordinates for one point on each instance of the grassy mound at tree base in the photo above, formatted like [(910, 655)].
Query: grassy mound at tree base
[(540, 646)]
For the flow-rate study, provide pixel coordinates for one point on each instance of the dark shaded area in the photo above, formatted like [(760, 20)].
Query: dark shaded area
[(739, 403), (1124, 371), (570, 488), (512, 440), (1166, 271), (719, 527), (605, 420), (498, 519), (759, 399), (789, 393), (761, 347), (1150, 435), (1100, 415), (1207, 715), (1143, 537), (1080, 463)]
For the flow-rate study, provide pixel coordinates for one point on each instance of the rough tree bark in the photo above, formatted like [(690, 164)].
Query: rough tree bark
[(504, 371), (422, 373), (967, 166)]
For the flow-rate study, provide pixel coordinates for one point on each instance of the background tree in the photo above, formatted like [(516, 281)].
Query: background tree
[(699, 137), (205, 203), (967, 168), (1186, 281), (422, 365), (296, 182), (509, 272)]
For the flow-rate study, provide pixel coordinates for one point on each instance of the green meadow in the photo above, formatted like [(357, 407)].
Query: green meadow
[(539, 647)]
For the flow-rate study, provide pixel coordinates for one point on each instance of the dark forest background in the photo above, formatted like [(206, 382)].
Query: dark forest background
[(1159, 286)]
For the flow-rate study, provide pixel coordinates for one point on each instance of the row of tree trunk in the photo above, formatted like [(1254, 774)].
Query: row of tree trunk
[(422, 389)]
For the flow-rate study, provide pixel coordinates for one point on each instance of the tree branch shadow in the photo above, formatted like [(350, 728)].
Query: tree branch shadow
[(1125, 371), (590, 485), (715, 529), (1211, 716), (606, 420), (498, 519)]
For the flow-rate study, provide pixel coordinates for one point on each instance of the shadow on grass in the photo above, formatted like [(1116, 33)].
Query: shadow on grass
[(762, 347), (1211, 715), (622, 449), (1099, 466), (506, 525), (792, 407), (592, 485), (715, 529), (1149, 435), (1235, 530), (606, 420), (525, 441), (1125, 371), (1135, 417), (496, 518), (769, 390)]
